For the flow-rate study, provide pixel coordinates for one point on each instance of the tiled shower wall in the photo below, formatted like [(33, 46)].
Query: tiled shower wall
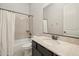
[(21, 26)]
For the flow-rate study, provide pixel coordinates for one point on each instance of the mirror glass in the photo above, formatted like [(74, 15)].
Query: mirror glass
[(62, 18)]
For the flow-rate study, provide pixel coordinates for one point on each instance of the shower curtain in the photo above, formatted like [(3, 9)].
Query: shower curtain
[(7, 32)]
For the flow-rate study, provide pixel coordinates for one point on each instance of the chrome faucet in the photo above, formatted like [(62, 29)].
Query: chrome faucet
[(55, 37)]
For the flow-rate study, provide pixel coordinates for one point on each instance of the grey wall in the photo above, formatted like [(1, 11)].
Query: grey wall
[(19, 7), (36, 9)]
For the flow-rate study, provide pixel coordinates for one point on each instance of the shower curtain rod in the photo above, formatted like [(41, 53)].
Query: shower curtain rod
[(16, 12)]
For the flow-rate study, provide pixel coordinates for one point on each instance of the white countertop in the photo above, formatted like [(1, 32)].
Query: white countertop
[(57, 46)]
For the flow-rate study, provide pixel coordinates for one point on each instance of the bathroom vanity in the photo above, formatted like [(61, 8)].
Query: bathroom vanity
[(45, 46), (39, 50)]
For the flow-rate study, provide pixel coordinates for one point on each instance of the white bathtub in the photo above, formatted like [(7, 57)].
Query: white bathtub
[(22, 46)]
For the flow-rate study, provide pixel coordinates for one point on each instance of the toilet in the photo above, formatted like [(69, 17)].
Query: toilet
[(23, 47), (27, 49)]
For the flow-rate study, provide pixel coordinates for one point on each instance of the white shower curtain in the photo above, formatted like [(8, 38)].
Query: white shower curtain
[(7, 32)]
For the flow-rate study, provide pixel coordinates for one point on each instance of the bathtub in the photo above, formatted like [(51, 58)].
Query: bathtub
[(23, 47)]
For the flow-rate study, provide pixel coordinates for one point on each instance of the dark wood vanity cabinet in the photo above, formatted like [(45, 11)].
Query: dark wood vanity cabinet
[(38, 50)]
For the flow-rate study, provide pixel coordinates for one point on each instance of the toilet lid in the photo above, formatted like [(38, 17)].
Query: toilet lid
[(27, 46)]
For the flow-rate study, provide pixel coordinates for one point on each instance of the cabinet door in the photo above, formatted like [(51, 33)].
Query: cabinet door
[(44, 51), (33, 44), (35, 52), (38, 50)]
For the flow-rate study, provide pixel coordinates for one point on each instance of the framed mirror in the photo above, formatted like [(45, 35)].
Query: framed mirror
[(62, 19)]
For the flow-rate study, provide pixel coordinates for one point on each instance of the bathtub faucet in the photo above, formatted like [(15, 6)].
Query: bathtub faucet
[(29, 33)]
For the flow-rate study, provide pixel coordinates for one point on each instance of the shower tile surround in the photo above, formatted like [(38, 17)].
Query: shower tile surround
[(21, 26)]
